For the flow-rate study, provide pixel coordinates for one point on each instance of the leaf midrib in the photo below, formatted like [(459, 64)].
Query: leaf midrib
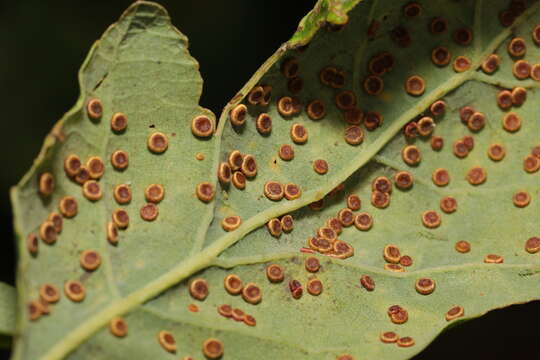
[(207, 255)]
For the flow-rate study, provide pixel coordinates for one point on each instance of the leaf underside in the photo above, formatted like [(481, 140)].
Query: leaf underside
[(141, 67)]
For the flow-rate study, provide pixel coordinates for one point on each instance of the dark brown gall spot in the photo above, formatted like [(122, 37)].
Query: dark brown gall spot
[(316, 110), (477, 121), (391, 254), (120, 160), (49, 293), (255, 95), (158, 142), (493, 259), (346, 100), (380, 199), (32, 244), (405, 260), (405, 341), (504, 99), (372, 120), (460, 149), (373, 85), (249, 166), (389, 337), (354, 135), (287, 223), (295, 85), (92, 190), (354, 116), (531, 164), (438, 108), (438, 25), (440, 56), (412, 9), (264, 124), (295, 288), (463, 36), (47, 232), (46, 184)]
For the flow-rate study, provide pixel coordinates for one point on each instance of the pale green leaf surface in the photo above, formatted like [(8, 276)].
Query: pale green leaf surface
[(153, 257), (8, 309)]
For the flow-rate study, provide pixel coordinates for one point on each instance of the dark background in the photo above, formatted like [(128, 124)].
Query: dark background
[(42, 45)]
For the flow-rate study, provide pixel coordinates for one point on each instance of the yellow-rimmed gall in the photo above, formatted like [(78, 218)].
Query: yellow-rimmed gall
[(72, 165), (231, 223), (462, 246), (251, 293), (90, 260), (391, 254), (92, 190), (521, 198), (233, 284), (415, 85), (411, 155), (198, 289), (511, 122), (202, 126), (74, 290), (403, 180), (448, 204), (363, 221), (158, 142), (425, 286), (118, 327), (68, 206), (454, 313), (275, 273), (316, 110), (354, 202), (521, 69), (491, 63), (249, 165), (431, 219), (205, 191), (119, 122), (149, 212), (167, 341), (46, 184), (461, 64), (314, 287), (120, 159), (94, 109), (291, 191), (237, 115), (273, 190), (274, 227), (213, 348), (476, 175)]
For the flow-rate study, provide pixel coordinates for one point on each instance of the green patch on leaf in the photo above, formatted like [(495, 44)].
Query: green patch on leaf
[(359, 78)]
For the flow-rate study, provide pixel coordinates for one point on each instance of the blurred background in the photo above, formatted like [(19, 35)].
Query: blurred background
[(43, 44)]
